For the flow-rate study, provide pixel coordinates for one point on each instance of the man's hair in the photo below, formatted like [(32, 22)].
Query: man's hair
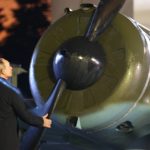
[(1, 60), (1, 64)]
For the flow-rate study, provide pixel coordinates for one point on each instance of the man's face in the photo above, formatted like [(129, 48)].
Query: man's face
[(7, 71)]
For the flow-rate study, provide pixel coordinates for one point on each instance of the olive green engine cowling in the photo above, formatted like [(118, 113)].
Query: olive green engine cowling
[(123, 85)]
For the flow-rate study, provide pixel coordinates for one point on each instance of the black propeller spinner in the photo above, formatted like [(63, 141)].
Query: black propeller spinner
[(79, 62)]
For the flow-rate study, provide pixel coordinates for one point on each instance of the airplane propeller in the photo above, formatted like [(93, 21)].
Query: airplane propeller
[(77, 64)]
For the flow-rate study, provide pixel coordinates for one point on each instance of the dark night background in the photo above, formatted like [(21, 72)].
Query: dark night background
[(22, 22)]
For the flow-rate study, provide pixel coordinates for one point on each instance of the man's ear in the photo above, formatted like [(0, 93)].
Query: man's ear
[(2, 71)]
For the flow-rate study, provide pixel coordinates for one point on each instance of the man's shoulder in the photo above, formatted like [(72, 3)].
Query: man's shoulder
[(4, 83), (7, 87)]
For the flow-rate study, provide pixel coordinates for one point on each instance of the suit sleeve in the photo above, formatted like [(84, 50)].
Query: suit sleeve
[(22, 111)]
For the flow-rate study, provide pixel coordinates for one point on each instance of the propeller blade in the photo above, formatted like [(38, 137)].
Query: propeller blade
[(102, 17), (33, 134)]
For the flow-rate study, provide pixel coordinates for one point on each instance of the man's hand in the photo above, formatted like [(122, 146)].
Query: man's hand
[(46, 121)]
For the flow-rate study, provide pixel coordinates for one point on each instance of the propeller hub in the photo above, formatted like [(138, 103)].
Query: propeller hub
[(79, 62)]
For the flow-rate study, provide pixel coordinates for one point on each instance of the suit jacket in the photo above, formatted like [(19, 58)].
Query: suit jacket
[(11, 106)]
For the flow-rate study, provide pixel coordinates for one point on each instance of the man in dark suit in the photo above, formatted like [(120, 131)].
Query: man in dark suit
[(11, 107)]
